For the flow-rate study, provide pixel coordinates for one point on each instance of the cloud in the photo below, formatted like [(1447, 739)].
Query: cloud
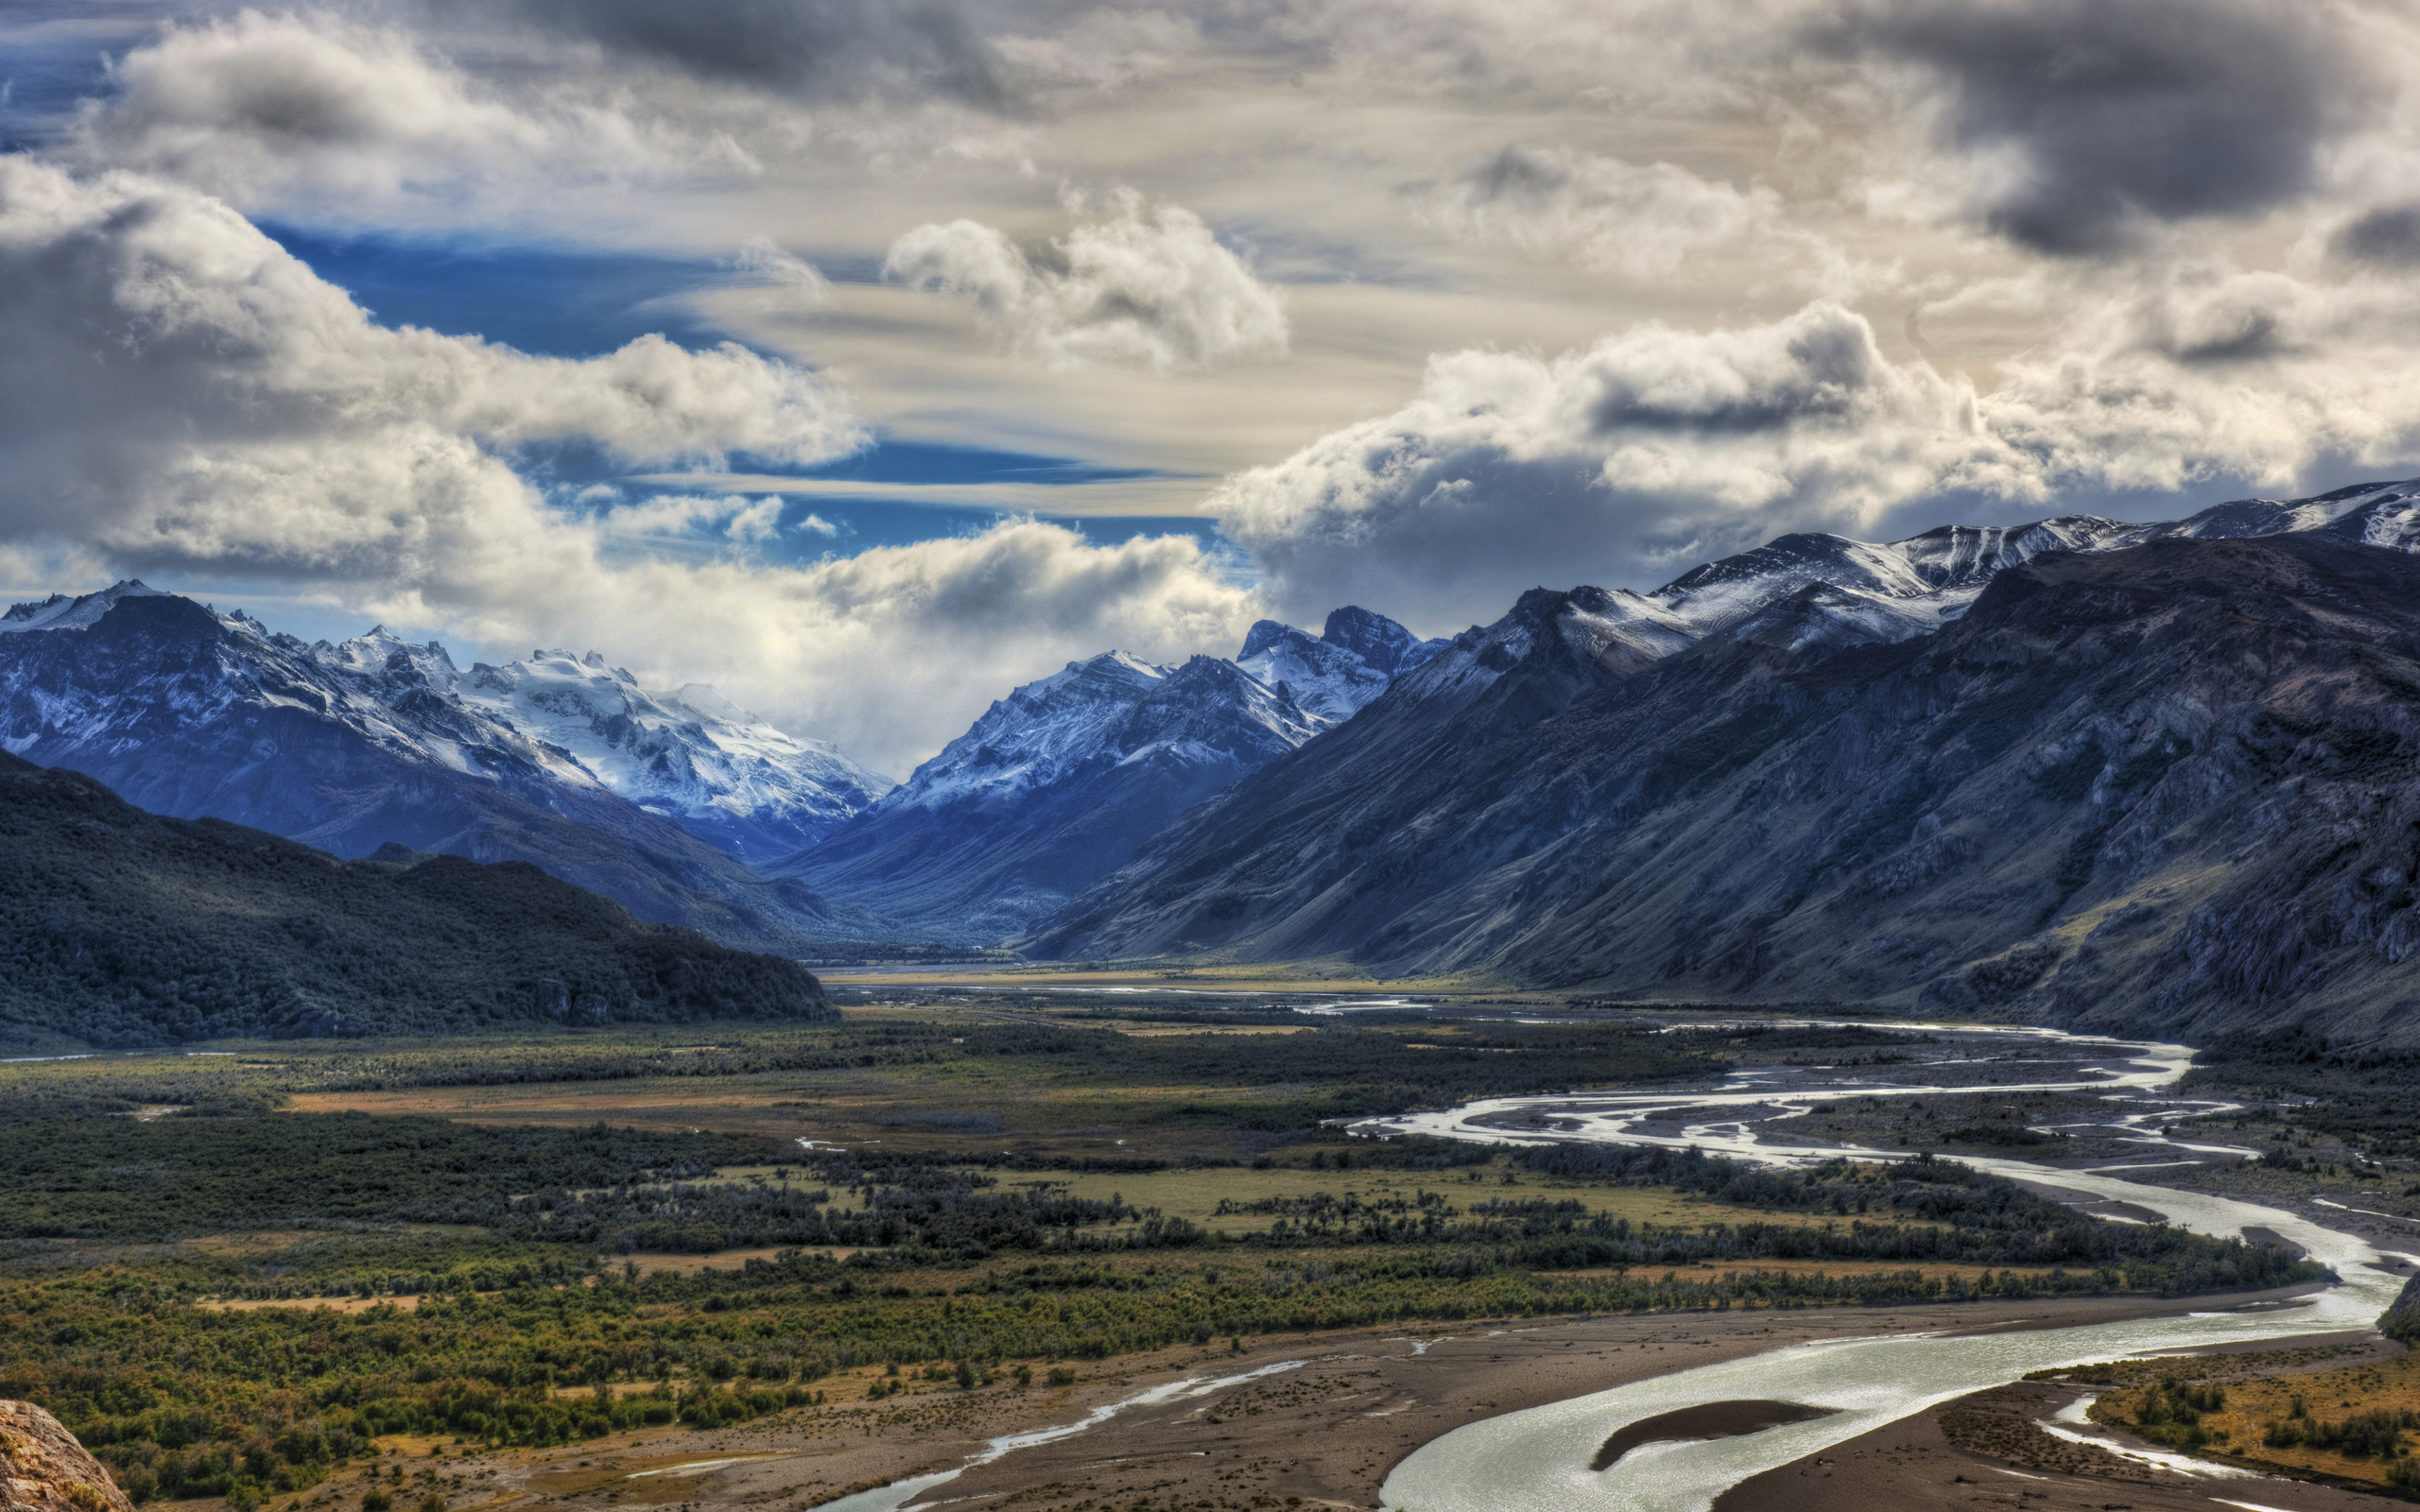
[(2388, 236), (180, 398), (799, 284), (2076, 124), (262, 109), (145, 329), (818, 49), (1147, 287), (681, 516), (1645, 453), (1600, 212), (2206, 373), (492, 112), (1656, 449)]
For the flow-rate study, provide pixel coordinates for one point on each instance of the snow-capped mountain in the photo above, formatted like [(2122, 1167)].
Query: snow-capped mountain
[(351, 746), (2140, 777), (720, 772), (1911, 587), (1060, 780), (1347, 664)]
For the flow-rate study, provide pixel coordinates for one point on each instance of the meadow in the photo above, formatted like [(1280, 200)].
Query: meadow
[(231, 1278)]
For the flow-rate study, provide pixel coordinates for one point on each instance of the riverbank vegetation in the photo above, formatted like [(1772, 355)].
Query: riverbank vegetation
[(2279, 1411), (227, 1287)]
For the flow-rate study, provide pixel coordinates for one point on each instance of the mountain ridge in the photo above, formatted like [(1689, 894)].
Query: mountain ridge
[(1562, 809), (1067, 776), (193, 714), (122, 928)]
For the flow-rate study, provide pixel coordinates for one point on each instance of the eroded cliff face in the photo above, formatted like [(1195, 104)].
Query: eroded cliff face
[(43, 1469)]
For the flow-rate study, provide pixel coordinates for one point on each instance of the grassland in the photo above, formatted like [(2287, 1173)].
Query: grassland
[(2280, 1411), (543, 1239)]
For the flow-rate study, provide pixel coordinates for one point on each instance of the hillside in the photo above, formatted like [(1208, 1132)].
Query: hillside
[(2172, 787), (122, 928), (350, 747)]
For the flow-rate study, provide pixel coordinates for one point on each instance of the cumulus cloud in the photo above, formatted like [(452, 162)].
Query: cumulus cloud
[(1600, 212), (148, 332), (1657, 449), (1150, 286), (2203, 372), (485, 113), (683, 516), (2075, 124), (179, 397), (1647, 451), (259, 109)]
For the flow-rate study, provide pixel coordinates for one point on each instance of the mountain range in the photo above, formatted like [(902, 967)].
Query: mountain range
[(2112, 774), (651, 801), (1065, 779), (678, 804), (2140, 777)]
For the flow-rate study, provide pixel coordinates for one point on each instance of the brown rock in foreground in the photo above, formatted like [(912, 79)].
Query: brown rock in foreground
[(43, 1469)]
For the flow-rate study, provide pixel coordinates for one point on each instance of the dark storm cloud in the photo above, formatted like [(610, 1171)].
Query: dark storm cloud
[(816, 48), (2117, 113), (2390, 236)]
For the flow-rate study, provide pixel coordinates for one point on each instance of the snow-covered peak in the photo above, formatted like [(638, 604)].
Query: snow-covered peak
[(1330, 682), (1113, 709), (555, 722), (1378, 639), (1967, 556), (62, 613), (382, 653), (720, 771), (1333, 676), (1720, 592)]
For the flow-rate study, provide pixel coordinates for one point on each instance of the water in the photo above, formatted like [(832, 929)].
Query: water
[(898, 1493), (1537, 1460)]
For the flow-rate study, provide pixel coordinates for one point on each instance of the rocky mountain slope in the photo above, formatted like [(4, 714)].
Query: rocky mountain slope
[(43, 1469), (1065, 778), (562, 763), (2169, 781), (120, 928)]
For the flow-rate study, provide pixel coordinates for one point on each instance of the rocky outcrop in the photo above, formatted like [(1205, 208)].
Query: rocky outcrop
[(43, 1469)]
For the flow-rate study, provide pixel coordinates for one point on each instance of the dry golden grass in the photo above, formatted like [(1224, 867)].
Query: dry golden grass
[(2253, 1406), (1717, 1269), (333, 1304)]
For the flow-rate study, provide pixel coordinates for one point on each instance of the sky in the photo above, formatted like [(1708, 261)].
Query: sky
[(866, 358)]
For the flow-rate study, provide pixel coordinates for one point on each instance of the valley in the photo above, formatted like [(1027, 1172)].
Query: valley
[(1450, 1051), (1223, 1225)]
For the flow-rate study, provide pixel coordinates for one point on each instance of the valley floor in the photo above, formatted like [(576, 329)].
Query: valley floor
[(1326, 1429)]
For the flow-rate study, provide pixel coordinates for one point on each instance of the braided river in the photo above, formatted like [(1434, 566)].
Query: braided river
[(1539, 1460)]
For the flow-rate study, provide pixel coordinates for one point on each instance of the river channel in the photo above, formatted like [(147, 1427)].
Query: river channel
[(1538, 1460)]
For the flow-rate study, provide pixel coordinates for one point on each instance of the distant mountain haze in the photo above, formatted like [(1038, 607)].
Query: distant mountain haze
[(1066, 778)]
